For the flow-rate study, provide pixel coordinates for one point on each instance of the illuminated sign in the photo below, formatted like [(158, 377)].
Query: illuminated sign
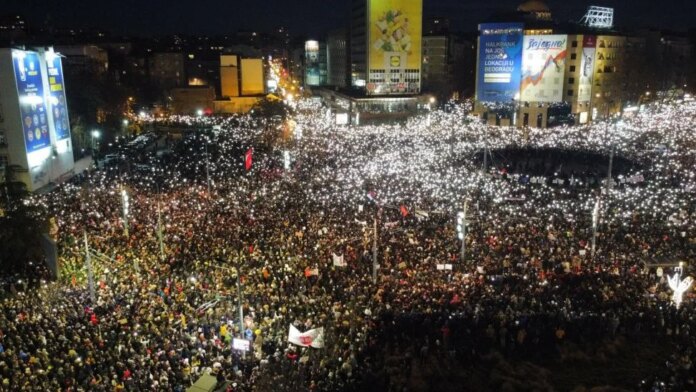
[(499, 62), (32, 107), (395, 35), (59, 106), (543, 68)]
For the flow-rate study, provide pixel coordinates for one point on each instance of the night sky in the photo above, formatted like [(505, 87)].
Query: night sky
[(309, 17)]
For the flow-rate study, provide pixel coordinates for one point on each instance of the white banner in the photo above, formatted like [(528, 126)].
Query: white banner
[(338, 261), (312, 338)]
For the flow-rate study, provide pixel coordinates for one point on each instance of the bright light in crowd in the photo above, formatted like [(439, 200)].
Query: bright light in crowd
[(96, 134)]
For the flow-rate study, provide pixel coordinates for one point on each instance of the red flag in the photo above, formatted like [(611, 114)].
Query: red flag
[(247, 158), (404, 211)]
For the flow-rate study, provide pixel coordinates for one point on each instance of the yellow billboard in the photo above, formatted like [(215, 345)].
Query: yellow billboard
[(395, 33)]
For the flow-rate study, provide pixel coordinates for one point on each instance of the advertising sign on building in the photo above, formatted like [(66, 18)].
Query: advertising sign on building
[(59, 106), (32, 107), (543, 68), (589, 45), (395, 34), (499, 62), (312, 74)]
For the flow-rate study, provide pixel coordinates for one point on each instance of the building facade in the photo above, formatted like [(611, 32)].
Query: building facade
[(337, 58), (35, 147)]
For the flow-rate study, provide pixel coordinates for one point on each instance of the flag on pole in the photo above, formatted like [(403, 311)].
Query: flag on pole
[(312, 338), (338, 261), (404, 211), (248, 158)]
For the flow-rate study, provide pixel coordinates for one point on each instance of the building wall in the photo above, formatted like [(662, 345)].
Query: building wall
[(167, 69), (252, 76), (358, 42), (38, 168), (229, 76), (435, 70), (235, 105), (610, 72), (337, 58), (189, 100)]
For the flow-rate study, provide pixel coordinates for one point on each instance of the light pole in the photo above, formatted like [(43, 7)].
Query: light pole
[(96, 134), (515, 102), (461, 231), (90, 275), (125, 204), (595, 223), (207, 165), (375, 266)]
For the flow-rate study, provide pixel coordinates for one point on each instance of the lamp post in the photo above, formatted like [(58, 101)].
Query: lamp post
[(515, 107), (125, 203), (595, 223), (461, 231), (375, 266), (96, 134)]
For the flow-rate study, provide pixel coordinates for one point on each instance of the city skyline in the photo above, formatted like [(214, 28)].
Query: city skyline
[(309, 17)]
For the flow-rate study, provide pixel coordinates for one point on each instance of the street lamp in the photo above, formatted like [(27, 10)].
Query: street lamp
[(96, 134), (461, 231)]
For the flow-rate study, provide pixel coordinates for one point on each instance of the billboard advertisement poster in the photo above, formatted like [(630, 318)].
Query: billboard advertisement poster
[(59, 106), (543, 68), (32, 107), (589, 48), (499, 66), (395, 35)]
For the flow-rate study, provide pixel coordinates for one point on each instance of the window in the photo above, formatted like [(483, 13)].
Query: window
[(573, 56), (571, 80), (572, 68), (570, 93), (575, 44)]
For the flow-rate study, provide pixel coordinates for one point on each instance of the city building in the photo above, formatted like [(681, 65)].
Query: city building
[(315, 67), (386, 46), (337, 63), (90, 58), (192, 100), (534, 72), (242, 83), (35, 144), (167, 69)]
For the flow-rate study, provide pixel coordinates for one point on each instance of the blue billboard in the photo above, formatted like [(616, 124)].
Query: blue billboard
[(32, 107), (59, 107), (500, 62)]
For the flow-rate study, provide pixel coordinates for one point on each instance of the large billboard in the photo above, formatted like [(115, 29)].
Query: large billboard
[(499, 62), (59, 106), (395, 35), (312, 74), (27, 68), (543, 68), (589, 48)]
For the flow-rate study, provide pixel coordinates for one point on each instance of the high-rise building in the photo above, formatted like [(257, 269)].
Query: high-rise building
[(34, 125), (385, 45), (337, 58), (534, 72), (315, 72)]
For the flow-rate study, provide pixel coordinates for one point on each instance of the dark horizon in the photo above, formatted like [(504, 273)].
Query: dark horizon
[(311, 18)]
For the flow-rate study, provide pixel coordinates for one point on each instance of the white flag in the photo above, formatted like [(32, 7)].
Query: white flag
[(312, 338), (420, 214), (338, 261)]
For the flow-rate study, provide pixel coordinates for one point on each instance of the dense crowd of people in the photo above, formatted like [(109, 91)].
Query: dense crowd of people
[(291, 241)]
